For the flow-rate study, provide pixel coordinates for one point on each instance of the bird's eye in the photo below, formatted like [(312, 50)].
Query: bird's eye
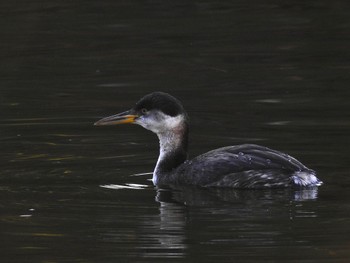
[(144, 111)]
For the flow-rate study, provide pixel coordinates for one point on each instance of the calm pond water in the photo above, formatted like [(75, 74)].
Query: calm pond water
[(274, 73)]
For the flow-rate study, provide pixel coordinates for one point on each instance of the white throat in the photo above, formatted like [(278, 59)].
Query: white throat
[(170, 139), (170, 131)]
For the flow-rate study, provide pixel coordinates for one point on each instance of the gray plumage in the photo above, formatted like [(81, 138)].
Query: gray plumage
[(242, 166)]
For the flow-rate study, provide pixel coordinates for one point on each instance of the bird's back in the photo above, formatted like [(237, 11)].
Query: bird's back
[(244, 166)]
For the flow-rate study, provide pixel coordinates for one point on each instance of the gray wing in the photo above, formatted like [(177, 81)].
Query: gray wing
[(243, 166)]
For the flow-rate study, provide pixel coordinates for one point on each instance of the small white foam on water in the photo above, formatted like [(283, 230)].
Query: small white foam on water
[(126, 186), (141, 174)]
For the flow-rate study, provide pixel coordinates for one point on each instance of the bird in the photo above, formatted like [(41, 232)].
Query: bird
[(246, 166)]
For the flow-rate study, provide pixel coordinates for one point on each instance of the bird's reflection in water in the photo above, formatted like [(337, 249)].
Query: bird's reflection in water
[(187, 208), (172, 226), (288, 203), (216, 215), (165, 233), (193, 196)]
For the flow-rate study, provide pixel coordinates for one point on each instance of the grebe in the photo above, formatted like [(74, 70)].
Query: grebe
[(241, 166)]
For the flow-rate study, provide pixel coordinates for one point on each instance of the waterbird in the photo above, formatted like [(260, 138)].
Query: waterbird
[(241, 166)]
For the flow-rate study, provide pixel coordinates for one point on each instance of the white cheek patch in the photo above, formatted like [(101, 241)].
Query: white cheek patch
[(159, 122), (173, 122)]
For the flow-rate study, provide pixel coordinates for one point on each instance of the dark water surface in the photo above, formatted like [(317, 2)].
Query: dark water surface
[(274, 73)]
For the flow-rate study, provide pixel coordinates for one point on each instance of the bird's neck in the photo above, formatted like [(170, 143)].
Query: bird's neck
[(173, 151)]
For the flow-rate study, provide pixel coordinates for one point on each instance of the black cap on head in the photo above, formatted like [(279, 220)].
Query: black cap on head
[(160, 101)]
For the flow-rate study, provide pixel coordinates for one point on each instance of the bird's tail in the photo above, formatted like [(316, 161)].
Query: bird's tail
[(306, 179)]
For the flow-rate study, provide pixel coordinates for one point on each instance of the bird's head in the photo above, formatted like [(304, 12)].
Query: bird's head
[(158, 112)]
